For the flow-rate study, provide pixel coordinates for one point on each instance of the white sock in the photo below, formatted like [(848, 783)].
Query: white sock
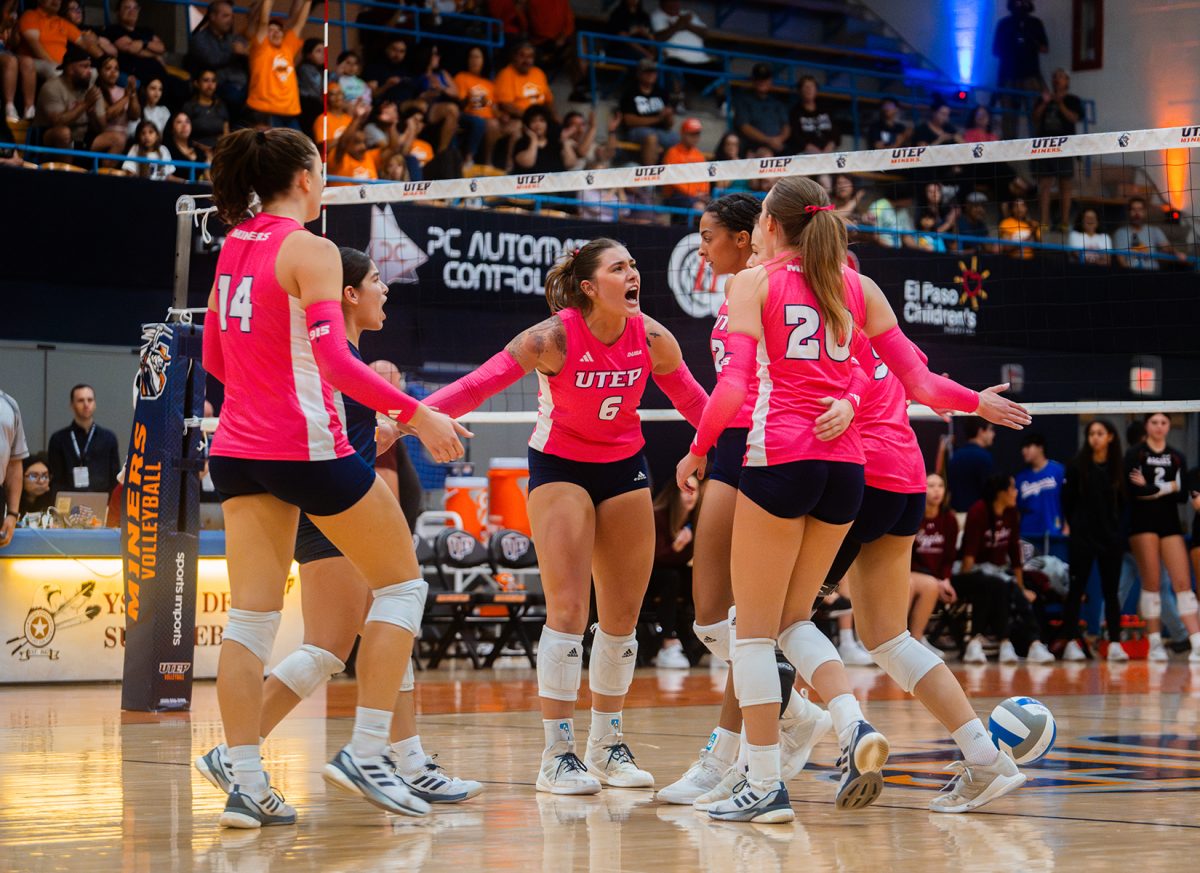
[(408, 754), (1194, 639), (743, 761), (846, 714), (1155, 640), (977, 747), (370, 737), (846, 636), (604, 724), (246, 762), (764, 765), (797, 706), (559, 731), (724, 745)]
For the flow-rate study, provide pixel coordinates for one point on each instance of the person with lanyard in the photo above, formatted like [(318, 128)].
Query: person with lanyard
[(84, 456)]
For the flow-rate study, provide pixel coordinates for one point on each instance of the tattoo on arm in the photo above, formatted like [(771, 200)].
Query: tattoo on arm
[(539, 340)]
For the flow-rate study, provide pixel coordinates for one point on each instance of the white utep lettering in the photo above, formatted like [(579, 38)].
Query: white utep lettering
[(608, 378)]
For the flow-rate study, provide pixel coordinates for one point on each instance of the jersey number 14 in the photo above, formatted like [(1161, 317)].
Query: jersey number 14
[(237, 305)]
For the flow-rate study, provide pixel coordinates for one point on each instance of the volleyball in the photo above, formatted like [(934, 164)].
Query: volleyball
[(1024, 728)]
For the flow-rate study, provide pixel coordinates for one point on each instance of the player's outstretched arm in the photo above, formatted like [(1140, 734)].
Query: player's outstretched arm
[(671, 373)]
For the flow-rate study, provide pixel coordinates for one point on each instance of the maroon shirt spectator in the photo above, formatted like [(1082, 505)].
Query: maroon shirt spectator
[(992, 538), (934, 548)]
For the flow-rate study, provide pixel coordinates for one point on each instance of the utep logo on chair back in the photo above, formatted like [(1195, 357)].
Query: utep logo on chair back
[(514, 546), (460, 545)]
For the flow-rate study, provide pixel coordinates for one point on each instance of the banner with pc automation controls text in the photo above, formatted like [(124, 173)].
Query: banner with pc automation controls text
[(160, 520)]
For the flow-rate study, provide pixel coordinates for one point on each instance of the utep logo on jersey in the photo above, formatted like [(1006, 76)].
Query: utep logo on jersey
[(151, 378), (414, 189), (1190, 135), (528, 183), (1048, 145), (907, 155), (608, 378), (648, 174), (773, 166)]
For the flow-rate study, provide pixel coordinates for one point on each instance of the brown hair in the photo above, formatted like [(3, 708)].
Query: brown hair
[(564, 282), (670, 500), (262, 161), (820, 236)]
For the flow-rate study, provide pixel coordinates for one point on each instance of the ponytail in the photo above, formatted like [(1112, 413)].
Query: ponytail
[(248, 162), (809, 223), (564, 282)]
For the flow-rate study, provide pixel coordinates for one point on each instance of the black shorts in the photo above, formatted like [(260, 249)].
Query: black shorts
[(1056, 168), (317, 487), (602, 481), (829, 491), (1159, 517), (887, 513), (730, 452), (311, 544)]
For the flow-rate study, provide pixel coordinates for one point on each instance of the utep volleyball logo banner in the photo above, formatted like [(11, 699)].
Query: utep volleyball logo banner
[(160, 521)]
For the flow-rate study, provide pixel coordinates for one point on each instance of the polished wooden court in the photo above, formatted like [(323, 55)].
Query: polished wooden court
[(84, 786)]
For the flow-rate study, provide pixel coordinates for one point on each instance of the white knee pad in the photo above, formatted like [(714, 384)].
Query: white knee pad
[(610, 671), (755, 676), (905, 660), (307, 669), (1149, 605), (807, 648), (715, 638), (1185, 602), (410, 678), (402, 604), (254, 630), (559, 665)]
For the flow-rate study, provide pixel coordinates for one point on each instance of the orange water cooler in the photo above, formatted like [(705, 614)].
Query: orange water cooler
[(508, 491), (468, 496)]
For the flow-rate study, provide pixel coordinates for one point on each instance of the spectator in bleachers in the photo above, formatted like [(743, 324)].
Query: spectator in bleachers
[(647, 117), (383, 119), (521, 84), (69, 105), (214, 46), (350, 157), (971, 464), (477, 96), (685, 31), (310, 78), (373, 42), (390, 77), (1093, 496), (540, 149), (729, 148), (148, 143), (35, 490), (140, 50), (208, 112), (578, 139), (84, 456), (440, 95), (890, 131), (1018, 43), (349, 76), (1094, 243), (1000, 178), (1056, 114), (512, 17), (118, 107), (337, 119), (603, 204), (846, 198), (932, 561), (979, 127), (96, 45), (10, 71), (629, 18), (181, 145), (45, 36), (671, 577), (889, 221), (454, 53), (13, 450), (552, 32), (974, 222), (1018, 229), (150, 97), (1139, 236), (936, 129), (690, 195), (928, 239), (945, 211), (811, 121), (760, 118), (1039, 492), (274, 90)]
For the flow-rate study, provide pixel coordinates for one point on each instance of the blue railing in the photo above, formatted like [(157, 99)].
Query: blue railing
[(190, 168)]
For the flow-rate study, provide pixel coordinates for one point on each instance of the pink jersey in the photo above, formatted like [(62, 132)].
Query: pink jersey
[(894, 459), (720, 335), (588, 410), (277, 406), (800, 362)]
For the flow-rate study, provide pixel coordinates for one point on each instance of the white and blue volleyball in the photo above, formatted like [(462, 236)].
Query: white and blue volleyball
[(1024, 728)]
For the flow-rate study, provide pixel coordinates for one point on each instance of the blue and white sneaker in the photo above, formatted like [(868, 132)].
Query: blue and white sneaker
[(435, 785), (243, 811), (771, 806), (375, 781), (562, 772), (215, 766), (862, 763)]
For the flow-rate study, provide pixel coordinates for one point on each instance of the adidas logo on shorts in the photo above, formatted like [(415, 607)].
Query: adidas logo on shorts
[(640, 477), (587, 358)]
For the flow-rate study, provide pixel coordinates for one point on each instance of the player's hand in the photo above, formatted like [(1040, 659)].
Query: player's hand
[(439, 434), (1001, 410), (386, 434), (6, 529), (691, 465), (833, 422)]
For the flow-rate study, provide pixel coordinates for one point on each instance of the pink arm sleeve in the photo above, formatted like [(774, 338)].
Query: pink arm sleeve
[(684, 392), (327, 334), (860, 380), (903, 359), (212, 356), (730, 392), (469, 392)]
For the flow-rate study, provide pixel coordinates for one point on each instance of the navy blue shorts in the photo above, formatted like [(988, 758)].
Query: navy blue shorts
[(317, 487), (730, 452), (883, 513), (829, 491), (311, 544), (602, 481)]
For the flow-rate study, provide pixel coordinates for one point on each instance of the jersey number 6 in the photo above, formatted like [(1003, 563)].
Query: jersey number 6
[(801, 343), (609, 408)]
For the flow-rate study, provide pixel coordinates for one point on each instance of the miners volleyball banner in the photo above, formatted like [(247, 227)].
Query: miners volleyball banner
[(160, 520)]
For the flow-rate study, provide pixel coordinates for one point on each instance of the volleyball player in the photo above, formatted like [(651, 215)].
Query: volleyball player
[(330, 585), (727, 233), (589, 498), (277, 341), (1156, 475), (802, 484)]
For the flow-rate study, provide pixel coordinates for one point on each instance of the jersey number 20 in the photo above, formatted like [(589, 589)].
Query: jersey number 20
[(238, 306), (802, 344)]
